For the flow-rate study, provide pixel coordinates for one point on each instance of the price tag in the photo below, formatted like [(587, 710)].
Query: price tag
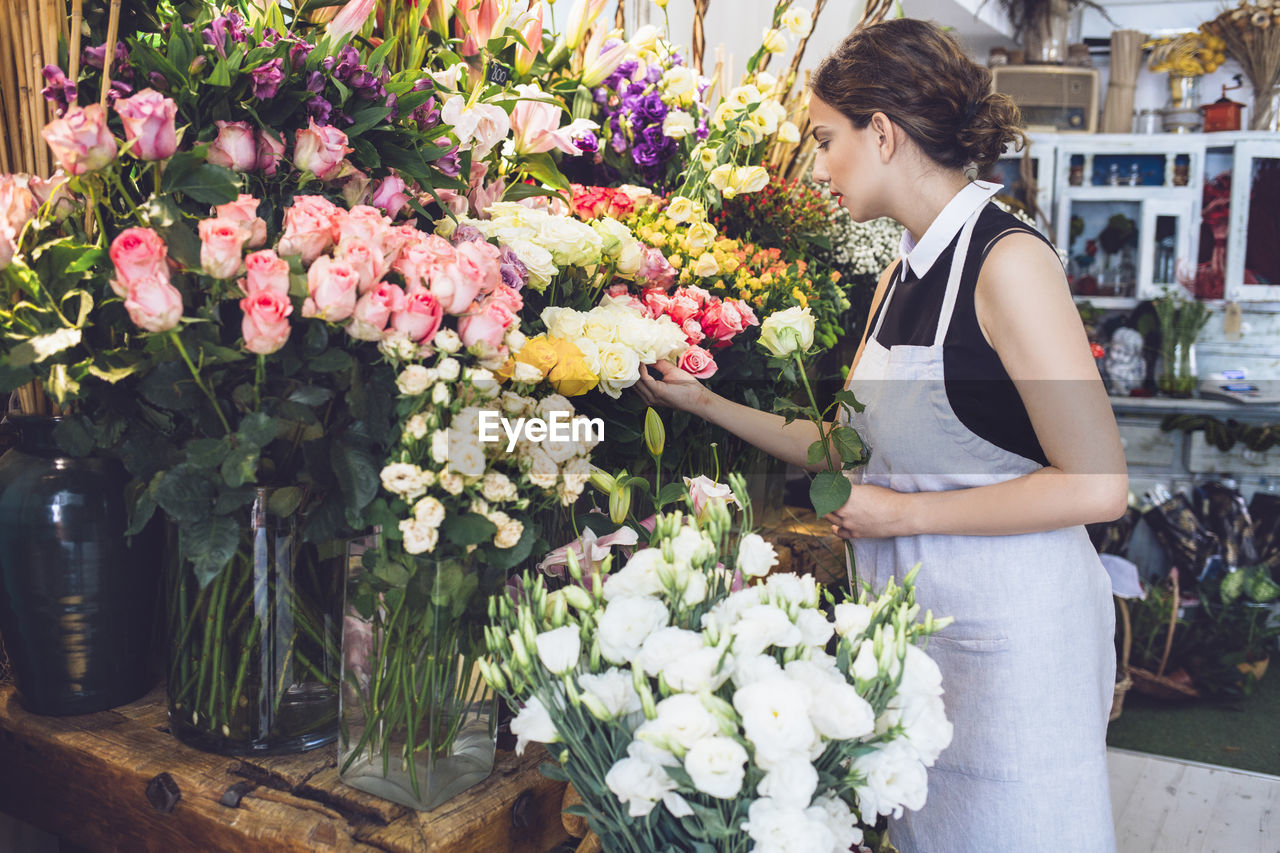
[(498, 74)]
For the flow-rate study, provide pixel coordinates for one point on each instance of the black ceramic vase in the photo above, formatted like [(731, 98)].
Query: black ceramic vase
[(77, 599)]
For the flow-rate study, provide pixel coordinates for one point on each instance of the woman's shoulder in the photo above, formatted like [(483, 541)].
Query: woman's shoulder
[(995, 223)]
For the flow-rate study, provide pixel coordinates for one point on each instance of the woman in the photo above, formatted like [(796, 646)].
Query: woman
[(992, 443)]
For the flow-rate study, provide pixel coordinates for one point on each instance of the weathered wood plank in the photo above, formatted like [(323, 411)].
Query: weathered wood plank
[(85, 779)]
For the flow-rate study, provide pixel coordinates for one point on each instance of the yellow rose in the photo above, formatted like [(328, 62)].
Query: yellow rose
[(676, 261), (539, 352), (572, 377), (706, 266)]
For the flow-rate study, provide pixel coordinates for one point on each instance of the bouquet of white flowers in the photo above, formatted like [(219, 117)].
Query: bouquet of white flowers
[(692, 712)]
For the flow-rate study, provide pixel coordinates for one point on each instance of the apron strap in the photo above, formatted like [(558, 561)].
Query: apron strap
[(898, 275), (953, 280)]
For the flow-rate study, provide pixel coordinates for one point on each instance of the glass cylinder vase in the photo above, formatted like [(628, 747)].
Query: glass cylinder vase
[(418, 721), (1179, 376), (254, 649), (1045, 36)]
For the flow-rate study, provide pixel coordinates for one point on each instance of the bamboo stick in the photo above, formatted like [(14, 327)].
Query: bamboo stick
[(73, 44), (113, 30), (620, 19), (22, 125), (35, 97), (699, 41), (794, 70), (9, 84)]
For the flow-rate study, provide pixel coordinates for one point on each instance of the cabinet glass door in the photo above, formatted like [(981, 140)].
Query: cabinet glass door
[(1253, 255)]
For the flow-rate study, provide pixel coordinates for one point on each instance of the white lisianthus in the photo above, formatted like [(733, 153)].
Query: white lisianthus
[(678, 81), (639, 577), (419, 537), (615, 689), (626, 623), (705, 669), (788, 133), (924, 725), (749, 133), (798, 21), (790, 591), (708, 156), (755, 556), (681, 722), (866, 666), (852, 619), (665, 646), (762, 626), (720, 176), (744, 95), (678, 124), (893, 779), (775, 717), (638, 783), (788, 331), (413, 380), (682, 209), (717, 766), (839, 713), (447, 340), (559, 648), (533, 723), (429, 511), (775, 826), (404, 479), (920, 675), (766, 82), (748, 669), (791, 781), (699, 237), (750, 179), (839, 819), (815, 630), (773, 41), (449, 369)]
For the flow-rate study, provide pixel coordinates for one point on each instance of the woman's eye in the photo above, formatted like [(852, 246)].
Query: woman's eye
[(822, 146)]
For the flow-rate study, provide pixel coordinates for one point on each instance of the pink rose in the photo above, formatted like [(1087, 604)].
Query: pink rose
[(420, 318), (482, 260), (744, 311), (355, 189), (365, 223), (397, 238), (8, 244), (80, 140), (320, 150), (245, 209), (235, 147), (453, 201), (422, 254), (507, 296), (266, 271), (333, 286), (148, 119), (488, 324), (367, 261), (138, 254), (222, 246), (54, 193), (721, 321), (374, 309), (17, 201), (269, 150), (655, 270), (266, 321), (310, 227), (455, 286), (697, 294), (389, 195), (693, 333), (681, 308), (657, 301), (698, 362), (154, 304)]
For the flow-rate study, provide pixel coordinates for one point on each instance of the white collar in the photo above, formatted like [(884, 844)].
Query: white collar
[(920, 256)]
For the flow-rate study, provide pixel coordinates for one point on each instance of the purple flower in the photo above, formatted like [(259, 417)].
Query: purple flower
[(267, 79), (467, 234), (298, 54), (315, 82), (158, 81), (230, 24), (319, 109), (392, 103), (270, 36), (425, 114), (618, 143), (344, 64), (422, 85), (119, 89), (587, 142), (514, 273), (450, 164), (93, 57), (59, 90)]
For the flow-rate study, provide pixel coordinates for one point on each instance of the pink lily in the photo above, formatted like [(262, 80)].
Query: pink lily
[(590, 550), (535, 124), (351, 19), (531, 32)]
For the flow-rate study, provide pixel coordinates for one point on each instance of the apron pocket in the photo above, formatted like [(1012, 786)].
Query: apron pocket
[(981, 701)]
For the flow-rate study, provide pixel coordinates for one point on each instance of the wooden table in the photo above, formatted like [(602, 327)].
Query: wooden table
[(805, 545), (86, 779)]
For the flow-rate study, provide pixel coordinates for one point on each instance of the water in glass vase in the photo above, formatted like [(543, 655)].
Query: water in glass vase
[(254, 650)]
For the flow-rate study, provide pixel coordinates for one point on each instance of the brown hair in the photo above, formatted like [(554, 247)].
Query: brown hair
[(918, 76)]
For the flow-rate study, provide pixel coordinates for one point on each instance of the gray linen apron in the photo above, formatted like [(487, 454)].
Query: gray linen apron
[(1028, 667)]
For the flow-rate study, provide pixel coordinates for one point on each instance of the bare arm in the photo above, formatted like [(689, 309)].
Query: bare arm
[(1026, 312)]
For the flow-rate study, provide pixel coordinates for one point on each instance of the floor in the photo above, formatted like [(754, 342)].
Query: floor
[(1164, 805)]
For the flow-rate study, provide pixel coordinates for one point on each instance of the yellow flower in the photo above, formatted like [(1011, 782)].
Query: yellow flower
[(706, 266), (540, 352), (676, 261)]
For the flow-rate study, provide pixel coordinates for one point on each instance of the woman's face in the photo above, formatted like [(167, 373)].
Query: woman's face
[(848, 159)]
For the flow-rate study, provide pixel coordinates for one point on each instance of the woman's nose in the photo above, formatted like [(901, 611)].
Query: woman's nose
[(820, 171)]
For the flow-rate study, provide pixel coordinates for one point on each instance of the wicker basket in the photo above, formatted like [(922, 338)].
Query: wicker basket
[(1124, 682), (1156, 683)]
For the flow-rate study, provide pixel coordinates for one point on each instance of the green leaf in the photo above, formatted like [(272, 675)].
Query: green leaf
[(508, 558), (357, 473), (241, 465), (209, 544), (285, 502), (92, 259), (140, 513), (330, 362), (207, 452), (72, 436), (848, 444), (516, 192), (817, 452), (258, 428), (468, 529), (543, 168), (847, 398), (210, 184), (392, 572), (185, 494), (553, 771), (670, 492), (310, 395), (829, 491)]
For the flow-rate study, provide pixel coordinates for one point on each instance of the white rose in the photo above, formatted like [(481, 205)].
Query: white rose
[(451, 482), (562, 322), (626, 623), (664, 646), (775, 717), (717, 766), (576, 472), (570, 242), (791, 781), (543, 471), (537, 261), (631, 257), (533, 723), (798, 21), (429, 511), (413, 380), (419, 537), (852, 619), (514, 404), (755, 556), (785, 332), (559, 648), (619, 368), (416, 427), (509, 533), (706, 266), (449, 369), (497, 487), (404, 479), (447, 340), (678, 124), (440, 446), (615, 689), (893, 779), (482, 380), (440, 394), (467, 459)]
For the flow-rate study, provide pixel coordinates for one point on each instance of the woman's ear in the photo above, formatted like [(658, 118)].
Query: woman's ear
[(884, 136)]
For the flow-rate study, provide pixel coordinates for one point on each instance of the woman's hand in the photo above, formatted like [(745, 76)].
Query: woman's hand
[(872, 512), (674, 388)]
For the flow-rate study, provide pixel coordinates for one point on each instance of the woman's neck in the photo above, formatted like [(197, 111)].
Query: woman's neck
[(927, 195)]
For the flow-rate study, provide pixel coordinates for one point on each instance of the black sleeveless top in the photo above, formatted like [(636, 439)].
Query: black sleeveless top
[(979, 389)]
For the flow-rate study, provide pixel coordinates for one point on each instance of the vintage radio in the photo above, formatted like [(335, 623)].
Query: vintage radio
[(1051, 97)]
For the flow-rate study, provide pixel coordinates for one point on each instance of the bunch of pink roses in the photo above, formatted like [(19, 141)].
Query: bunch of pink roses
[(704, 319)]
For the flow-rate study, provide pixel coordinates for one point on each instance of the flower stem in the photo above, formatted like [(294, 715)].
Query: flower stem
[(195, 375)]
